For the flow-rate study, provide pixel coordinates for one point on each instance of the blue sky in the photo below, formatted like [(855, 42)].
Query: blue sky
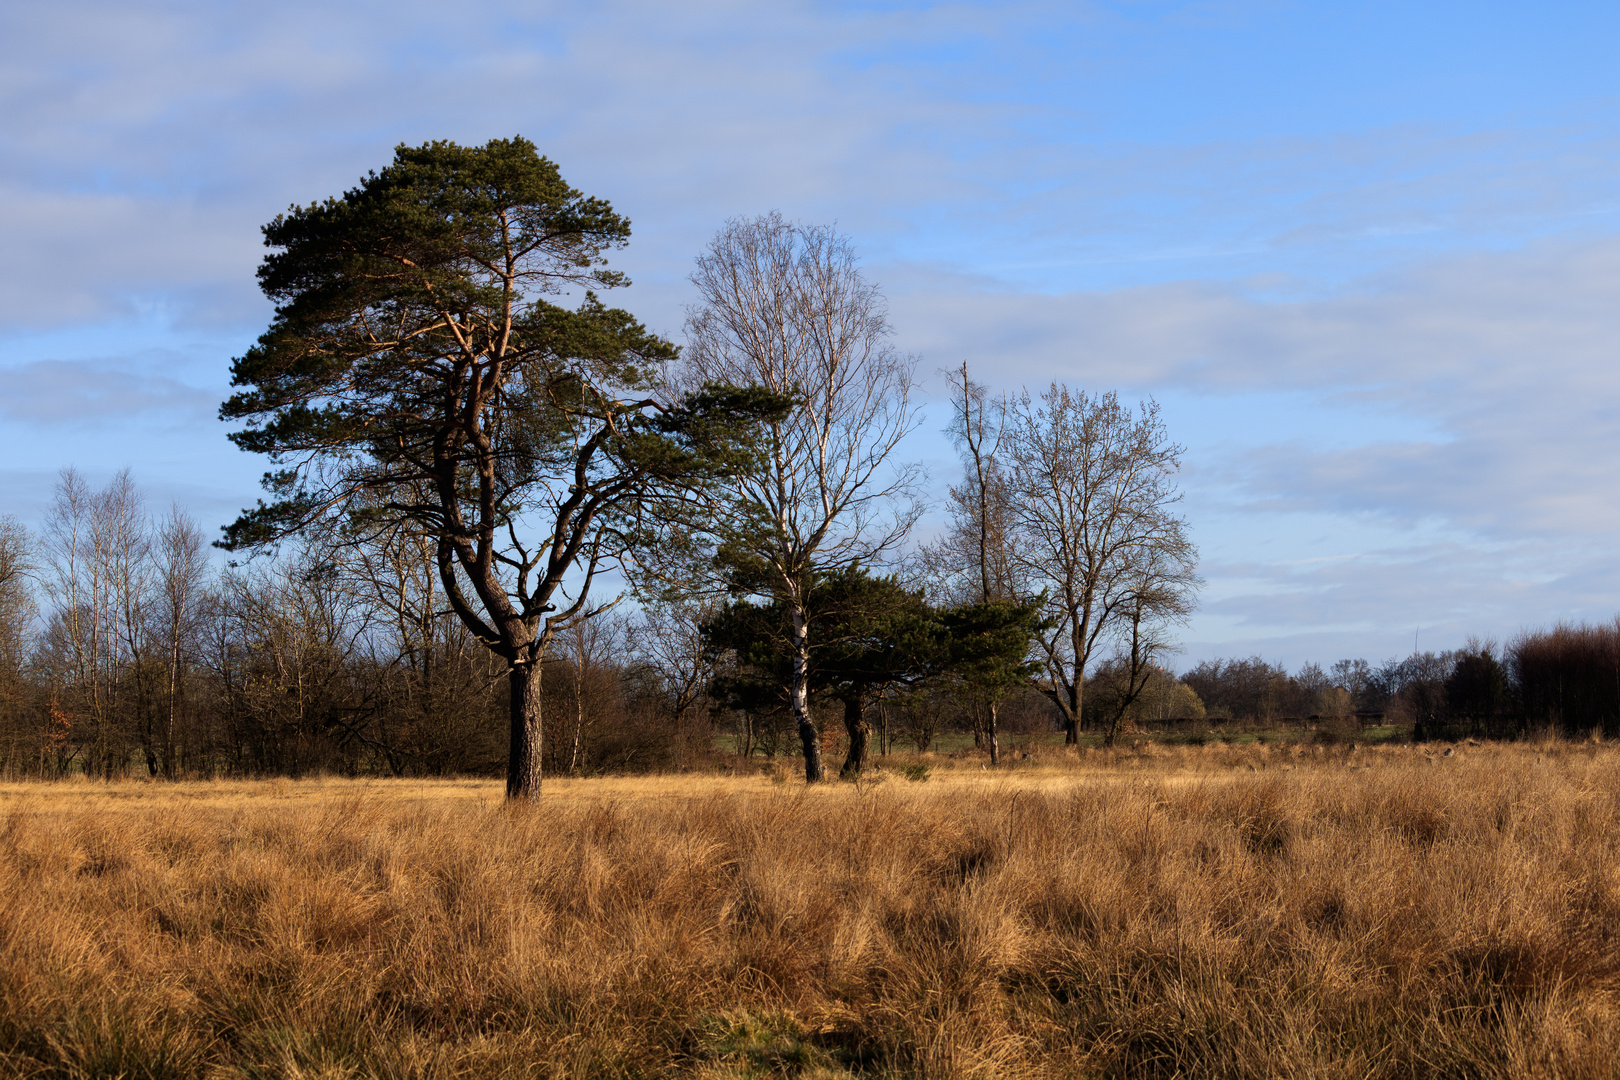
[(1366, 255)]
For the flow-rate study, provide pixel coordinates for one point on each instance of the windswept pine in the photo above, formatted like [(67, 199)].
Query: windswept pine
[(416, 382)]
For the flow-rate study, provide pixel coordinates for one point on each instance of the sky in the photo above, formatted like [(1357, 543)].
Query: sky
[(1365, 255)]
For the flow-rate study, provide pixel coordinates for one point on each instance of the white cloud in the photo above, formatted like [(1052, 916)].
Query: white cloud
[(1503, 364)]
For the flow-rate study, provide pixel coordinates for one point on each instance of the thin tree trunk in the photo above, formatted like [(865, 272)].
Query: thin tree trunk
[(860, 736), (523, 763), (995, 743), (579, 709), (174, 694)]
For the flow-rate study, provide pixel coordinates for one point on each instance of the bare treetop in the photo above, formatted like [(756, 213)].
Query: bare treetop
[(786, 307)]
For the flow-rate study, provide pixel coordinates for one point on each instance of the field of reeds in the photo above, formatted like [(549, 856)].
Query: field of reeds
[(1207, 911)]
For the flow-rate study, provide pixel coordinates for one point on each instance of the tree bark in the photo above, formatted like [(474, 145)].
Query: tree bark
[(995, 743), (811, 739), (860, 736), (523, 762), (1071, 718), (800, 701)]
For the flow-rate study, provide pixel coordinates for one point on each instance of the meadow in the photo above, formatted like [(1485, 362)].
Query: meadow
[(1209, 911)]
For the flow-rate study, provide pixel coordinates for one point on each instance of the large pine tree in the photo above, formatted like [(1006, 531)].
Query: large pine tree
[(415, 377)]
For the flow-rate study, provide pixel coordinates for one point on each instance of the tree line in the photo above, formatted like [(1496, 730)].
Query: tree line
[(1564, 680), (125, 651), (460, 461), (469, 478)]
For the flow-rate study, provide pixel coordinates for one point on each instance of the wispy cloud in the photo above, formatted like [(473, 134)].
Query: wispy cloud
[(144, 148), (66, 393), (1375, 271)]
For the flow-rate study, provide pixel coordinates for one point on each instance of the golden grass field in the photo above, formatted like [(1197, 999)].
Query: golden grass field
[(1199, 912)]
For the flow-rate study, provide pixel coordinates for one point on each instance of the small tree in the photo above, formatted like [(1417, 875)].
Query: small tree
[(865, 633), (988, 651), (874, 633), (971, 562), (16, 616), (1092, 494), (669, 640), (97, 548), (181, 576), (1156, 593)]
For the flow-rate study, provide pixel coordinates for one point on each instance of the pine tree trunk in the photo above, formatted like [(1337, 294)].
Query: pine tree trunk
[(860, 736), (523, 762), (995, 743)]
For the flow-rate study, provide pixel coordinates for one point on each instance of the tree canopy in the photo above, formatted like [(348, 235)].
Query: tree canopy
[(865, 633)]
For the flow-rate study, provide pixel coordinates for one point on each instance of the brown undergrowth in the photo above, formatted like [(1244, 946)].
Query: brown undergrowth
[(1255, 912)]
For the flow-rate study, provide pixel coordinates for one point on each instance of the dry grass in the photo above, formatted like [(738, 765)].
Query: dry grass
[(1197, 912)]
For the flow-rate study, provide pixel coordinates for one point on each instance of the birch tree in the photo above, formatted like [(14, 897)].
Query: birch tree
[(97, 548), (971, 561), (182, 577), (786, 307), (16, 619)]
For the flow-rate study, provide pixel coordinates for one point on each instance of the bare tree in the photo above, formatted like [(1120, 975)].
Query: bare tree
[(591, 648), (1155, 592), (98, 548), (283, 643), (75, 588), (971, 562), (971, 565), (1092, 496), (786, 307), (123, 546), (182, 570), (16, 616), (669, 640), (432, 680)]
